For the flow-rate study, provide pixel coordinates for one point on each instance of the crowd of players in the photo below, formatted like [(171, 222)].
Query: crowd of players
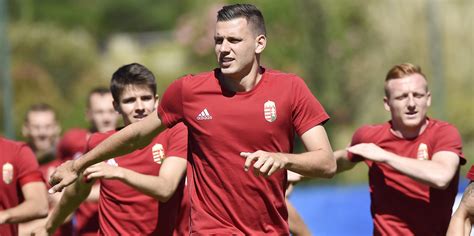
[(223, 164)]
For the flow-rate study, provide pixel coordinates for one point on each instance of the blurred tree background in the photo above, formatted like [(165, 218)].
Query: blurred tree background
[(343, 49)]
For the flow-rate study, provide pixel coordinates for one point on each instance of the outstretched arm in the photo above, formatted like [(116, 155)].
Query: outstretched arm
[(130, 138), (436, 173), (33, 207), (318, 161), (161, 187)]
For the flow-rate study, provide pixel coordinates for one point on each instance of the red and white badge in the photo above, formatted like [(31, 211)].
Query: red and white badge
[(7, 173), (158, 153), (422, 152), (269, 111)]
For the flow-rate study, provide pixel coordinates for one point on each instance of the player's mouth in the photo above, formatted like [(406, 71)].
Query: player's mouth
[(226, 61), (411, 114), (139, 117)]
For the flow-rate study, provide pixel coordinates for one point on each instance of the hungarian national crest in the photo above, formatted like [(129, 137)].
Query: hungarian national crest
[(7, 173), (269, 111), (422, 152), (158, 153)]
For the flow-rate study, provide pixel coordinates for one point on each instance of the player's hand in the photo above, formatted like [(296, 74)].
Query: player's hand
[(265, 163), (3, 217), (63, 176), (103, 170), (40, 231), (370, 151)]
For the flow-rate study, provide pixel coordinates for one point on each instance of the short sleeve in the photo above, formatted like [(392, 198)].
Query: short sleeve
[(470, 174), (178, 141), (170, 109), (356, 139), (28, 168), (448, 139), (307, 112)]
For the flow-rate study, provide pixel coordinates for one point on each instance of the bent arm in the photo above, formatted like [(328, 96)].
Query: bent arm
[(436, 173), (72, 197), (34, 206), (161, 187), (342, 160), (318, 161)]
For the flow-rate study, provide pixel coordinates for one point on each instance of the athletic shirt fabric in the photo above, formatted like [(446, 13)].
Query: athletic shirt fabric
[(224, 198), (401, 205), (19, 167), (126, 211), (73, 145)]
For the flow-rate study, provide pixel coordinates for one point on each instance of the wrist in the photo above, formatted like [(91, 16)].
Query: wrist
[(120, 173)]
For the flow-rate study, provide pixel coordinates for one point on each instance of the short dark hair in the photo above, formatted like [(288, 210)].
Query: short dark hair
[(97, 90), (131, 74), (39, 107), (247, 11)]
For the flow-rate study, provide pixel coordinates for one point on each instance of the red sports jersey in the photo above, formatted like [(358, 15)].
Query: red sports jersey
[(401, 205), (224, 198), (470, 174), (19, 167), (72, 145), (126, 211)]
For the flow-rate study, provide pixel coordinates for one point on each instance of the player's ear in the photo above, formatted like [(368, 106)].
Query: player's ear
[(260, 43), (116, 107), (428, 102), (24, 130), (157, 100), (386, 103)]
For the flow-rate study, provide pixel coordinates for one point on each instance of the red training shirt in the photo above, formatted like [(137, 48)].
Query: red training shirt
[(126, 211), (19, 167), (224, 198), (401, 205)]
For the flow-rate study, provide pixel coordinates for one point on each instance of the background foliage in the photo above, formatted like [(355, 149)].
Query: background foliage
[(343, 49)]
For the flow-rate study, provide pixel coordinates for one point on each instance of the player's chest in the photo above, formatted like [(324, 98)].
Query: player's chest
[(146, 161), (416, 149)]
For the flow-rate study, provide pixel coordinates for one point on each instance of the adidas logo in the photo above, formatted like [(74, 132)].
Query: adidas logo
[(204, 115)]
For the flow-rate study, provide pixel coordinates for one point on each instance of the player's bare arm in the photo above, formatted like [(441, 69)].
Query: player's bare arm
[(130, 138), (70, 200), (462, 219), (34, 206), (318, 161), (342, 161), (436, 173), (161, 187)]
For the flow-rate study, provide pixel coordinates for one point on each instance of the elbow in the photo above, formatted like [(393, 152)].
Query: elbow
[(40, 211), (441, 184), (164, 195)]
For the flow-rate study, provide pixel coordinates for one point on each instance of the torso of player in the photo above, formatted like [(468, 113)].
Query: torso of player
[(9, 186), (221, 125), (398, 202), (123, 209)]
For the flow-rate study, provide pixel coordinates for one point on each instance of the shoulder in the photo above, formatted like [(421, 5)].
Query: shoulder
[(98, 137), (369, 130), (441, 125), (11, 146), (283, 76)]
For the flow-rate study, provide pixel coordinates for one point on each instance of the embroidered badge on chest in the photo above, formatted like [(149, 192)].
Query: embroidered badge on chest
[(7, 173), (422, 152), (269, 111), (158, 153)]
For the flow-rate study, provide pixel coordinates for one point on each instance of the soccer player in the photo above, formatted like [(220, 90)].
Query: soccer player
[(463, 218), (241, 117), (102, 117), (41, 129), (21, 179), (413, 159), (154, 169)]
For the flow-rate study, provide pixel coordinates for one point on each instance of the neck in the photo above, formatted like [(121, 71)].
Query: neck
[(244, 81), (408, 132)]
